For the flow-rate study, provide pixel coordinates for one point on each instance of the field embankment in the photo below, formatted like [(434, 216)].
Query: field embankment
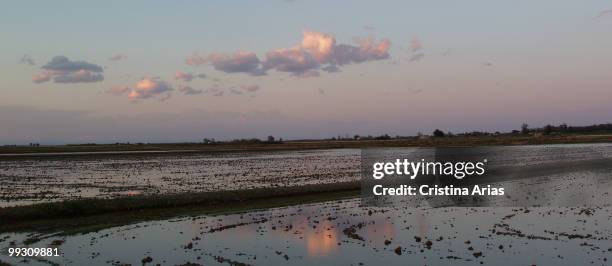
[(68, 215)]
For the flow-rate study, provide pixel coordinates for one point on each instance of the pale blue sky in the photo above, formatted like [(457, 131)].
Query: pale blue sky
[(485, 65)]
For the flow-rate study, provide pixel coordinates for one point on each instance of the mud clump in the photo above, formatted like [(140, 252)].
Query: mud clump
[(398, 250), (146, 260), (351, 232), (57, 242)]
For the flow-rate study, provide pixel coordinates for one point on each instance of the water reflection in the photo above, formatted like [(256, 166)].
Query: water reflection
[(322, 241)]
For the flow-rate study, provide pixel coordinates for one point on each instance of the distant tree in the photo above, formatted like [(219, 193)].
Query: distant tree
[(271, 139), (438, 133), (208, 141), (547, 130), (356, 137), (524, 129), (383, 137), (246, 141)]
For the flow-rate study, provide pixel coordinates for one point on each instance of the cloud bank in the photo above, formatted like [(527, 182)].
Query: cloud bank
[(63, 70), (317, 51)]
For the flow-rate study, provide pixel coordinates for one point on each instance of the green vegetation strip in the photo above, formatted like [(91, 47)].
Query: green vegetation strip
[(95, 214)]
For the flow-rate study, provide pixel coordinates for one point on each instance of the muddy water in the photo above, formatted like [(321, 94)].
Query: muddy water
[(347, 233), (50, 178), (343, 233), (32, 179)]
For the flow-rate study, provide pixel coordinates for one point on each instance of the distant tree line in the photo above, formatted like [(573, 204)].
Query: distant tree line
[(524, 130), (269, 140), (437, 133), (564, 128)]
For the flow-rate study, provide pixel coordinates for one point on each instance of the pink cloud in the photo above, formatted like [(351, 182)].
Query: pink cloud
[(317, 51), (320, 45), (148, 88), (372, 50), (41, 77), (183, 76)]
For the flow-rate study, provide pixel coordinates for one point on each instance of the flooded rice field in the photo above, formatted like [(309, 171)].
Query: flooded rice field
[(31, 179), (340, 232), (343, 233), (26, 180)]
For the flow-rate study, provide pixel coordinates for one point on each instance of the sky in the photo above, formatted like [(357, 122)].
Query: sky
[(171, 71)]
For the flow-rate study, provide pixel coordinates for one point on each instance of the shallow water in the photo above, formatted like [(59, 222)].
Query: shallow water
[(342, 233), (345, 232), (27, 180), (38, 179)]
